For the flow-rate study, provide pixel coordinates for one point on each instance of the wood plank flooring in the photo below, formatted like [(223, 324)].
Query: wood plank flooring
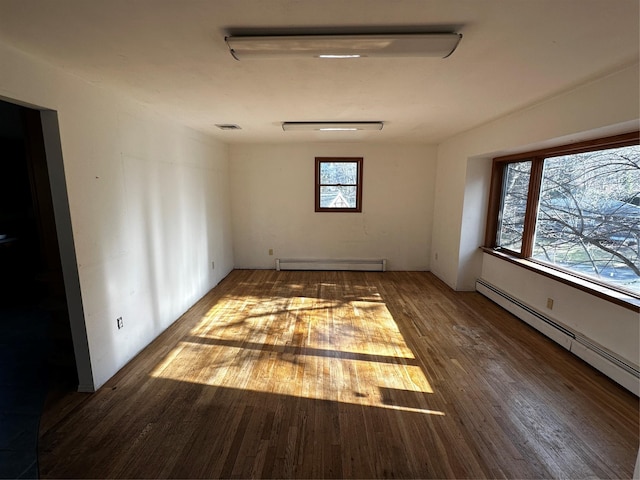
[(345, 375)]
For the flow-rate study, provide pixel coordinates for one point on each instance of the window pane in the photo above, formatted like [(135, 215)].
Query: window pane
[(338, 197), (344, 173), (589, 215), (514, 205)]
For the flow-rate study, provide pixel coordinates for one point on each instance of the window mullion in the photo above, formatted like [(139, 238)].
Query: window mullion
[(533, 198)]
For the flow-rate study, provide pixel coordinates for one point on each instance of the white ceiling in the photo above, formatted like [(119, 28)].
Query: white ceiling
[(171, 55)]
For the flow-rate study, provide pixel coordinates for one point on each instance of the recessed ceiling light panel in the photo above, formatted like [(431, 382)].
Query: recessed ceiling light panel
[(344, 46)]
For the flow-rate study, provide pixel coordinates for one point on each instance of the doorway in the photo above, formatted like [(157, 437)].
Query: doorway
[(37, 354)]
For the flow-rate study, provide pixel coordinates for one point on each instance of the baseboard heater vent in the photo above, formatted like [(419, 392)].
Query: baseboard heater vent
[(363, 265), (618, 369)]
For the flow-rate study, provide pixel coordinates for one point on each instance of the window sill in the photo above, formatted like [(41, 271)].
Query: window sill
[(614, 296)]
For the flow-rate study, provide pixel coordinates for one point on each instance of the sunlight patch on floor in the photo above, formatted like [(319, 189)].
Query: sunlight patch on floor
[(345, 351)]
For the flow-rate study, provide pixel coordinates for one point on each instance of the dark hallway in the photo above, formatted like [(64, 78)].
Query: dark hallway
[(36, 351)]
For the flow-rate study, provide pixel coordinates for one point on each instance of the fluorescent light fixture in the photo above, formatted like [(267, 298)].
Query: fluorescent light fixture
[(339, 56), (344, 46), (332, 126), (228, 126)]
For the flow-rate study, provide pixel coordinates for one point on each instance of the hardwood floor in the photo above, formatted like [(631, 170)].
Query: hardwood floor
[(345, 375)]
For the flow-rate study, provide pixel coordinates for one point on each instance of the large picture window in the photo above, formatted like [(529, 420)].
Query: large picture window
[(338, 184), (575, 208)]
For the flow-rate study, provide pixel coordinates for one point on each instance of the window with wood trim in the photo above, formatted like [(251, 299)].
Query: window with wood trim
[(575, 208), (338, 184)]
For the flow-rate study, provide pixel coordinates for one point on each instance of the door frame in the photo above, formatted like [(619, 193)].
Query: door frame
[(43, 135)]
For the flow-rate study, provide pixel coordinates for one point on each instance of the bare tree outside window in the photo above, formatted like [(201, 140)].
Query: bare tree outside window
[(514, 205), (589, 215), (574, 207)]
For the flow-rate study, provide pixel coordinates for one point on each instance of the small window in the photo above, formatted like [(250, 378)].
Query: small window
[(338, 184)]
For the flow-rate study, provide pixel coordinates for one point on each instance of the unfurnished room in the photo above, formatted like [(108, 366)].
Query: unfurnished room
[(319, 239)]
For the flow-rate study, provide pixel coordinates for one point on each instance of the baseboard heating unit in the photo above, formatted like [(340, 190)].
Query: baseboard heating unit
[(361, 265), (618, 369)]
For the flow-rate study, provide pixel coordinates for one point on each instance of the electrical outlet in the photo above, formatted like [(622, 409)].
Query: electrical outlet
[(119, 322), (271, 251), (550, 303), (436, 255), (213, 265)]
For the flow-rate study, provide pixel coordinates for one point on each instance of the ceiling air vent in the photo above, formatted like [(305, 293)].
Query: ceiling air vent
[(228, 126)]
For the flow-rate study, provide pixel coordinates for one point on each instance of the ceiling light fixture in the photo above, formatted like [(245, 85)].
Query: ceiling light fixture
[(228, 126), (339, 56), (332, 126), (344, 46)]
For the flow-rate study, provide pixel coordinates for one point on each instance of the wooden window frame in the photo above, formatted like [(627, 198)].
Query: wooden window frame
[(359, 162), (537, 159)]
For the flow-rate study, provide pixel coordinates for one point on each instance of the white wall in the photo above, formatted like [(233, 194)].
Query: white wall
[(273, 205), (611, 326), (149, 205)]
